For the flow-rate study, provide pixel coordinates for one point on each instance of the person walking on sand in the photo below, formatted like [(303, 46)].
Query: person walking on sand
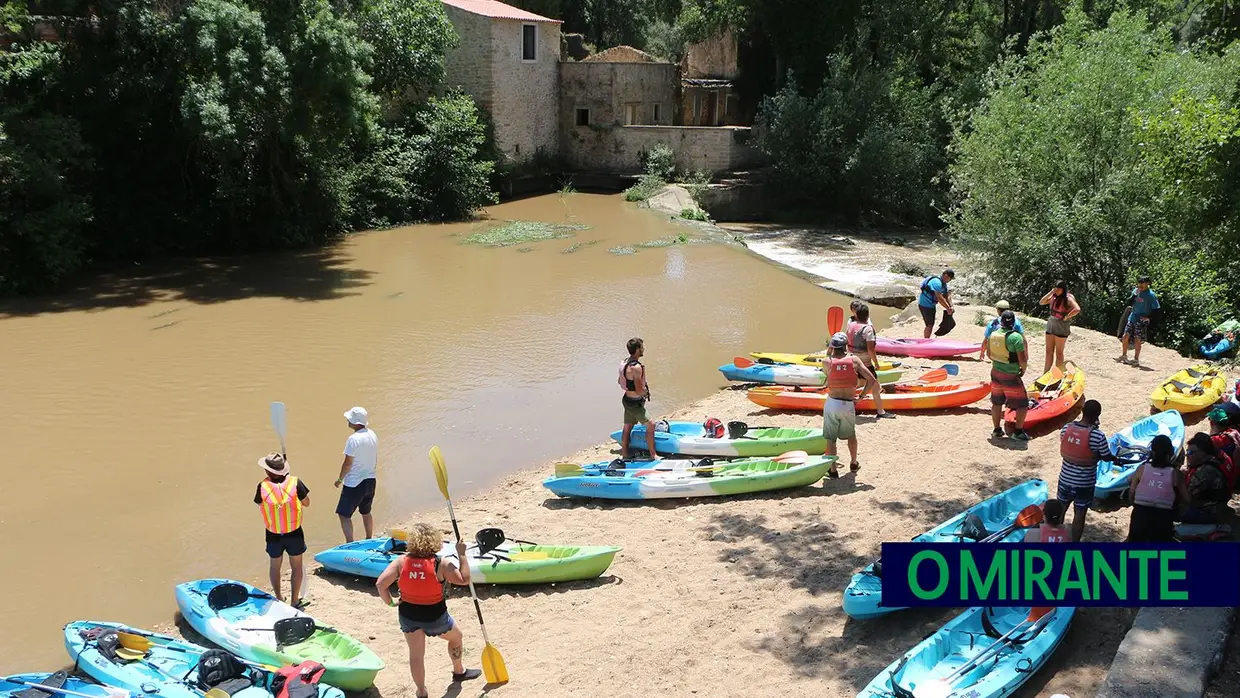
[(1156, 489), (1063, 308), (358, 473), (1008, 363), (419, 575), (993, 325), (861, 344), (934, 292), (1081, 446), (839, 413), (636, 394), (282, 497), (1143, 303)]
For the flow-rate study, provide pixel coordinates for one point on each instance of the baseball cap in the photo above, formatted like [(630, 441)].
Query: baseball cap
[(1007, 319), (1002, 305), (839, 340)]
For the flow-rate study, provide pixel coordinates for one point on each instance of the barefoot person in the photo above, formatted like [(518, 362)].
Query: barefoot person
[(1081, 445), (861, 344), (281, 497), (1008, 362), (357, 474), (1156, 489), (934, 292), (420, 575), (839, 414), (636, 395), (1144, 302), (1063, 308)]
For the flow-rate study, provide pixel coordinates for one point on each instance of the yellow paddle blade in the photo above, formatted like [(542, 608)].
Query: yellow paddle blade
[(441, 471), (217, 693), (398, 534), (493, 665), (568, 469), (134, 642), (530, 555), (129, 654)]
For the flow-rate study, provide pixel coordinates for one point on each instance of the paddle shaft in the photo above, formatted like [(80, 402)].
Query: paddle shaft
[(473, 593), (185, 650), (994, 648), (67, 692)]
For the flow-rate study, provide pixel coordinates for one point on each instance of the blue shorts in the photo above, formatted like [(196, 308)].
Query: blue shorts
[(434, 628), (1081, 496), (358, 498)]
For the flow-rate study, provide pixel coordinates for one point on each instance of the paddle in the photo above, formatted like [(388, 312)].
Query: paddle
[(938, 375), (1028, 517), (111, 691), (492, 662), (139, 646), (835, 319), (940, 688), (279, 422), (136, 641)]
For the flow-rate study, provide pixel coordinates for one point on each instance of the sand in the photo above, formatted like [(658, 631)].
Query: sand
[(741, 596)]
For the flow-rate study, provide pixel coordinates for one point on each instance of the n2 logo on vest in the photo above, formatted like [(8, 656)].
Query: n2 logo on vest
[(416, 574)]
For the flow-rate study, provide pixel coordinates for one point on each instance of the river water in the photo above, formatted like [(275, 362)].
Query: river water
[(135, 408)]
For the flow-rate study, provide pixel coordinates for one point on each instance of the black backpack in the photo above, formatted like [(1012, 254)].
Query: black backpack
[(219, 669)]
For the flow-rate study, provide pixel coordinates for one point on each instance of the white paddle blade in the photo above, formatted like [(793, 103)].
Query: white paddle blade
[(279, 422)]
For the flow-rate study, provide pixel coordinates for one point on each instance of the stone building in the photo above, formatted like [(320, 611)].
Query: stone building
[(618, 86), (508, 60), (706, 75)]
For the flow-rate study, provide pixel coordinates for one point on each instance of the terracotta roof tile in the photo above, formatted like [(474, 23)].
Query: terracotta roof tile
[(498, 10)]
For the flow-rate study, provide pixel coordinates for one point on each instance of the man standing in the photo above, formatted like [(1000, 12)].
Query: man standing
[(357, 474), (861, 343), (281, 497), (934, 292), (1144, 302), (839, 414), (1081, 446), (636, 394), (1008, 361), (994, 324)]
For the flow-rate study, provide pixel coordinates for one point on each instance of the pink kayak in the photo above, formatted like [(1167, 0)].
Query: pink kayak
[(925, 348)]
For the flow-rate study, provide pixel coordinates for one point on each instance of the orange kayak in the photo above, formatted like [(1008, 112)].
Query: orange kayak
[(921, 397), (1053, 394)]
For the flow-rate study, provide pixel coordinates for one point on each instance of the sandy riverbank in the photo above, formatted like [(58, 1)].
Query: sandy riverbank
[(741, 596)]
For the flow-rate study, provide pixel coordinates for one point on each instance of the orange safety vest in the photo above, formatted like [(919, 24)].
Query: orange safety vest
[(841, 373), (1074, 446), (418, 583), (281, 508)]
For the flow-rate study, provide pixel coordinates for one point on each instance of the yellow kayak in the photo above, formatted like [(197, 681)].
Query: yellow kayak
[(1190, 390), (815, 359)]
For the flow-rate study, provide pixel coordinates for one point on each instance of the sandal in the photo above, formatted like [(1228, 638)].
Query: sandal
[(833, 474), (301, 604), (854, 467)]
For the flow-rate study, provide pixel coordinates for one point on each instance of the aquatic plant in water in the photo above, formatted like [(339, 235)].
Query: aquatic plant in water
[(518, 232), (578, 245)]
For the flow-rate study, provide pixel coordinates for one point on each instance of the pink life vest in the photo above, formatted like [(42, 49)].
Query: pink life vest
[(1053, 534), (841, 373), (1157, 488), (857, 343), (1074, 446)]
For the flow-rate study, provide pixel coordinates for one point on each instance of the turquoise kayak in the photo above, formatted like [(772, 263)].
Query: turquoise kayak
[(863, 596), (170, 665), (11, 686), (690, 439), (927, 669), (667, 479), (1130, 446)]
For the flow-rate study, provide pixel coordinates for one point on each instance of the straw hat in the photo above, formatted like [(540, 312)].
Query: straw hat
[(274, 463)]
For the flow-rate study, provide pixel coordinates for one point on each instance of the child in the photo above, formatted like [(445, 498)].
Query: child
[(1051, 530), (1156, 488)]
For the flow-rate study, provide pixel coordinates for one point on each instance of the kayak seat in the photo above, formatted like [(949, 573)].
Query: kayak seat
[(54, 681), (1193, 373), (1179, 386), (227, 595)]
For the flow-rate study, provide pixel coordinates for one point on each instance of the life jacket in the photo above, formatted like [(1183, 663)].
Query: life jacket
[(1074, 446), (1213, 496), (1060, 306), (1230, 473), (1227, 441), (713, 427), (1157, 488), (301, 681), (857, 343), (998, 347), (627, 383), (418, 583), (281, 508), (1053, 534), (841, 373)]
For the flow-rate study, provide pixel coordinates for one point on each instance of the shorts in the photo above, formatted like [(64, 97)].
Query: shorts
[(1058, 328), (1081, 496), (1137, 328), (1007, 388), (1151, 525), (927, 314), (357, 498), (433, 628), (839, 419), (293, 543), (634, 411)]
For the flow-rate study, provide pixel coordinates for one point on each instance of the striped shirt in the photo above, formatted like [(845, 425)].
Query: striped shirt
[(1076, 476)]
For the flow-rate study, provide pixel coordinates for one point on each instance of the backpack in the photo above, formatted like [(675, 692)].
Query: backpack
[(301, 681), (219, 669)]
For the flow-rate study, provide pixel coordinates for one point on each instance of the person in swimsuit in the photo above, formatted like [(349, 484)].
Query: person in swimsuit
[(636, 394), (1156, 489), (861, 344), (1063, 308), (839, 414), (420, 575)]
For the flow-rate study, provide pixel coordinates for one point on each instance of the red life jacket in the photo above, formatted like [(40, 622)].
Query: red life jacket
[(1227, 441), (841, 373), (1230, 472), (1053, 534), (301, 681), (1060, 306), (1074, 446), (1156, 489), (418, 583)]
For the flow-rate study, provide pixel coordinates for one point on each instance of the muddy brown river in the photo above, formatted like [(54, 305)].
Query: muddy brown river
[(135, 409)]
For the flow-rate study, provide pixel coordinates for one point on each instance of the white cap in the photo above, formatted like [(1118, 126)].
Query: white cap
[(1003, 305), (357, 416)]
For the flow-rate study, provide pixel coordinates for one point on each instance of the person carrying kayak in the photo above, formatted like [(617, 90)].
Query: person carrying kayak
[(861, 344), (839, 414), (1063, 308), (1008, 362), (419, 575), (1156, 489), (281, 498), (1081, 445), (358, 474), (1206, 474), (1143, 303), (636, 394), (993, 325), (934, 292)]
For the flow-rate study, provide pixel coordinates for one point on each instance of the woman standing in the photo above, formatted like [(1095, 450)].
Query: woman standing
[(1156, 488), (1063, 308)]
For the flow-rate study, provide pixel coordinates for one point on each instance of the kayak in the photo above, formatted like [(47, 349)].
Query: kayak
[(926, 348), (1051, 395), (1113, 476), (11, 686), (813, 359), (863, 595), (660, 479), (969, 635), (170, 665), (689, 439), (1190, 390), (791, 374), (512, 562), (1221, 340), (935, 396), (246, 631)]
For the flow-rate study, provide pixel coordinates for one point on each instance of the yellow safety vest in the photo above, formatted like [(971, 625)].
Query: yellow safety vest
[(999, 348)]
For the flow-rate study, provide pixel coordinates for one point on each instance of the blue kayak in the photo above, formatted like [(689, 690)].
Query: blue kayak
[(15, 684), (667, 479), (169, 669), (1220, 341), (1113, 476), (928, 668), (863, 596), (690, 439)]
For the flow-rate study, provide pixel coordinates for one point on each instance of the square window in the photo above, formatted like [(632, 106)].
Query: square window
[(583, 117), (529, 42)]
